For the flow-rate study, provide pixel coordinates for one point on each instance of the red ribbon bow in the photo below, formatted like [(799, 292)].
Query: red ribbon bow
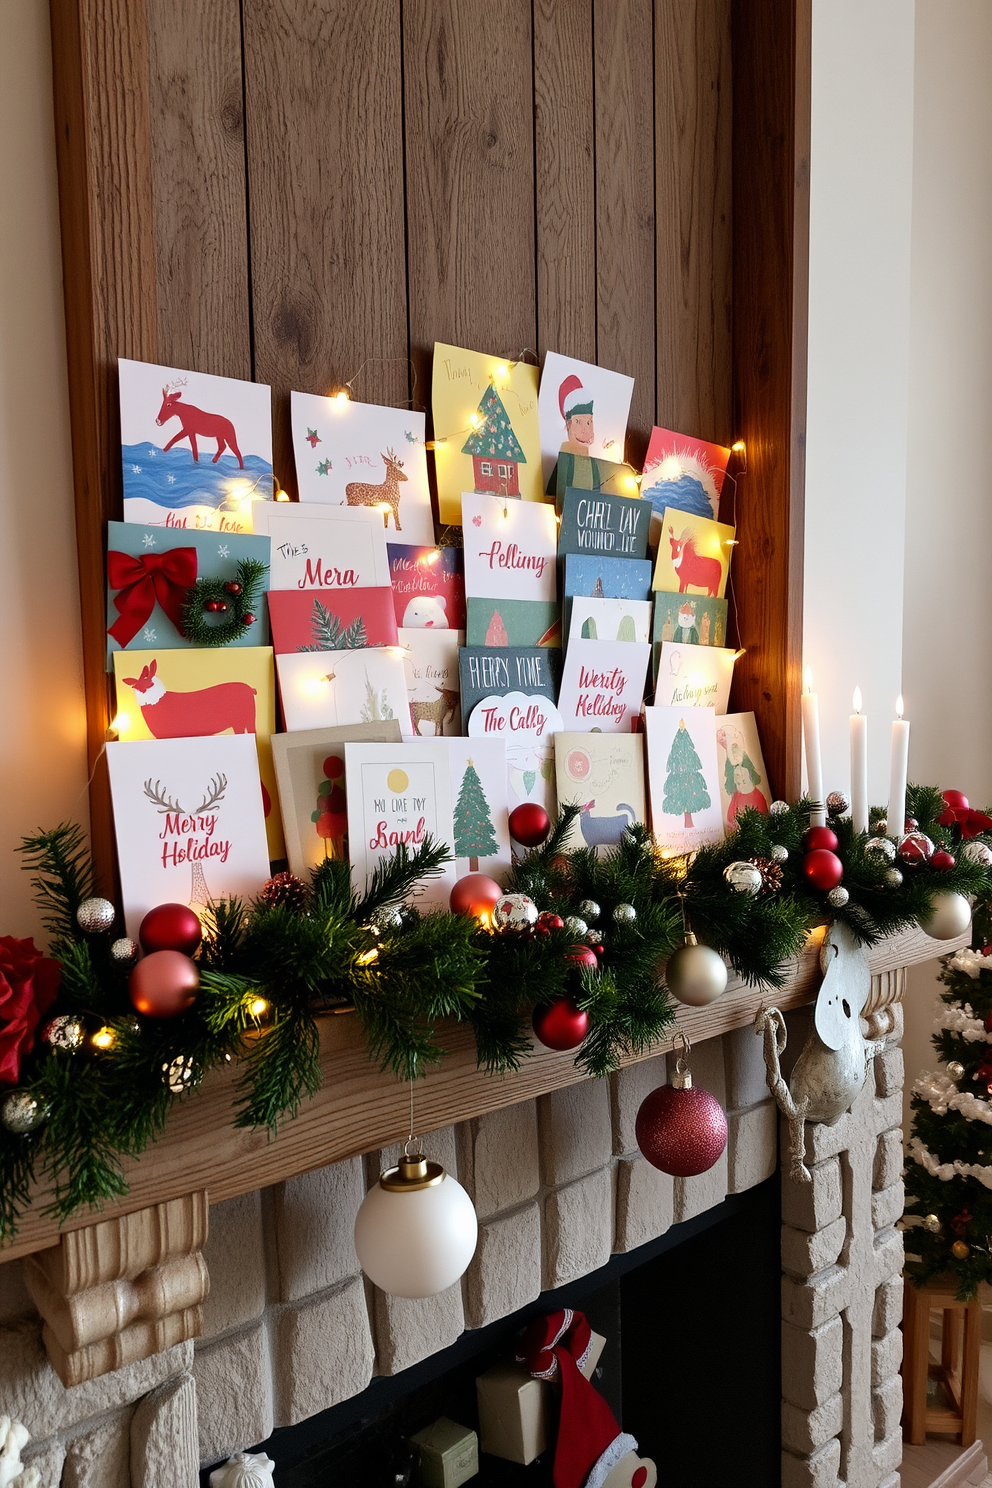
[(970, 821), (152, 578)]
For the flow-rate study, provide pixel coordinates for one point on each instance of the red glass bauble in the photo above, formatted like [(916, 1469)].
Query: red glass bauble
[(547, 921), (821, 837), (249, 619), (232, 587), (561, 1024), (164, 984), (823, 869), (682, 1132), (582, 956), (529, 824), (915, 847), (475, 896), (942, 861), (957, 800), (171, 927)]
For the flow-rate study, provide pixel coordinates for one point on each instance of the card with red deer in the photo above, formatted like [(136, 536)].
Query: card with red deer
[(485, 428), (363, 456), (331, 620), (317, 546), (399, 793), (602, 774), (693, 555), (322, 689), (431, 661), (189, 821), (193, 694), (196, 449)]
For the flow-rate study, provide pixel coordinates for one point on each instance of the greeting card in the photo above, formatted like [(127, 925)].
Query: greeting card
[(480, 827), (683, 777), (149, 571), (486, 435), (592, 576), (604, 775), (509, 548), (189, 822), (693, 553), (602, 684), (689, 619), (583, 412), (743, 777), (684, 473), (327, 688), (484, 670), (310, 770), (398, 793), (193, 694), (610, 619), (360, 455), (196, 449), (512, 622), (323, 547), (694, 676), (431, 661), (428, 587), (527, 722), (585, 474), (333, 620), (595, 522)]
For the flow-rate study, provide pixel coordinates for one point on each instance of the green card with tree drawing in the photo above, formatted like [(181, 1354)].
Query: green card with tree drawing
[(690, 619)]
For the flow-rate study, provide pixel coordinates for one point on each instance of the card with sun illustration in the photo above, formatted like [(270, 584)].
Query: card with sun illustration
[(684, 473), (399, 793)]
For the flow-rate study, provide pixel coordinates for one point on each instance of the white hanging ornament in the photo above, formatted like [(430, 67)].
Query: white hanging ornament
[(949, 915), (695, 974), (778, 853), (778, 808), (416, 1230), (95, 915), (514, 912), (977, 852), (244, 1470), (743, 877), (880, 847), (838, 897)]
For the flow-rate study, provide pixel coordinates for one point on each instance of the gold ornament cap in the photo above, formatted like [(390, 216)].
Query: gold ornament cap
[(411, 1174), (682, 1078)]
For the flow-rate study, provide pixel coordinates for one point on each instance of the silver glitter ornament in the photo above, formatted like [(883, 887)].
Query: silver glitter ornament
[(95, 915), (594, 937), (743, 878), (778, 853), (514, 912), (124, 949), (838, 897), (892, 878), (955, 1069), (977, 852), (880, 847), (575, 926), (625, 914), (21, 1112), (778, 808), (180, 1075), (589, 910), (386, 920), (64, 1032), (932, 1224), (838, 804)]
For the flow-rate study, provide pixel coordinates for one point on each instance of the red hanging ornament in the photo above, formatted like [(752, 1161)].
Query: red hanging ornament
[(529, 824), (475, 896), (821, 837), (249, 619), (956, 799), (232, 588), (942, 861), (914, 848), (582, 956), (171, 927), (959, 1224), (680, 1128), (823, 869), (164, 984), (561, 1024), (547, 921)]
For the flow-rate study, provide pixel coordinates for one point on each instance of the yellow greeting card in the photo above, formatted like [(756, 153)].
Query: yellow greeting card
[(163, 694), (486, 433), (693, 555)]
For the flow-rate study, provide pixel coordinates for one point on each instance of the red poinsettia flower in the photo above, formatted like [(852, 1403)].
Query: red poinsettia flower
[(967, 819), (28, 984)]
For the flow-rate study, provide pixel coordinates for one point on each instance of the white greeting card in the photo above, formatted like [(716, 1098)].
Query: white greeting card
[(323, 547), (196, 450), (602, 684), (743, 777), (510, 548), (481, 832), (361, 455), (610, 619), (683, 778), (321, 689), (602, 774), (432, 681), (527, 724), (582, 410), (189, 820), (694, 676), (398, 793)]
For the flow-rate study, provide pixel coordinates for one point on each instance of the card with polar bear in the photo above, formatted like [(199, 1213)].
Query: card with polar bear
[(332, 620), (428, 587)]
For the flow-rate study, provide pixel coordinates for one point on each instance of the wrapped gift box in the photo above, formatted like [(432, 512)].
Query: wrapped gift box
[(513, 1408), (447, 1454)]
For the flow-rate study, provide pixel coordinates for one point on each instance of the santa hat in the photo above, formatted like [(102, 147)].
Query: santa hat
[(590, 1443), (571, 385)]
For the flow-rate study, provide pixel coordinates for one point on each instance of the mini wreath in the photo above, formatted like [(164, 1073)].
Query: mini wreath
[(237, 600)]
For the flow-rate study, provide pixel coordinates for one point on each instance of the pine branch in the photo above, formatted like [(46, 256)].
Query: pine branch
[(394, 878), (62, 877)]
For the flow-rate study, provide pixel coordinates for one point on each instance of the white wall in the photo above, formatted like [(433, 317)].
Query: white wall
[(42, 759)]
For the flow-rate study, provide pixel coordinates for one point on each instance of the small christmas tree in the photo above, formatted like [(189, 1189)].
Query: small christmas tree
[(493, 436), (474, 835), (330, 635), (496, 634), (685, 787)]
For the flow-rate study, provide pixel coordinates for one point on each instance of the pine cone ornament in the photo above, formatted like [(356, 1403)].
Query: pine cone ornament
[(285, 891), (771, 874)]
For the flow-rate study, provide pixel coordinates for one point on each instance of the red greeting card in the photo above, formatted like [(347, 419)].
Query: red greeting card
[(428, 587), (684, 473), (331, 619)]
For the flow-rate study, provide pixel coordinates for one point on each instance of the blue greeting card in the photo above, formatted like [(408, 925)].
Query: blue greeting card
[(597, 577)]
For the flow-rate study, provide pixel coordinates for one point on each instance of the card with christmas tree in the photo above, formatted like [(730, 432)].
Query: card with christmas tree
[(328, 688), (399, 793), (481, 833), (495, 670), (362, 455), (428, 587), (695, 676), (683, 778), (743, 777), (603, 774), (486, 435), (323, 547), (602, 684), (595, 522), (583, 411), (331, 620), (610, 619), (593, 576), (693, 553), (310, 771), (684, 474), (586, 474), (512, 622), (432, 681)]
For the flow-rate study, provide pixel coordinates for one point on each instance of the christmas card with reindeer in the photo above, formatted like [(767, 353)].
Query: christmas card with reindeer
[(193, 694), (428, 587), (684, 473), (595, 522), (743, 777), (327, 688), (610, 619), (583, 412), (486, 435), (331, 619), (323, 547), (310, 769), (683, 778), (190, 822), (361, 455), (480, 816), (602, 684), (196, 449), (399, 793), (603, 774), (149, 571), (509, 554), (431, 660), (693, 554), (694, 676)]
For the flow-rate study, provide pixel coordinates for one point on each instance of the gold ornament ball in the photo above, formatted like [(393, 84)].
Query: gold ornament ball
[(932, 1224), (696, 974), (960, 1250)]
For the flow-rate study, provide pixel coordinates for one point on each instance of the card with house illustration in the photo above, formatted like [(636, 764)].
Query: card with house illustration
[(583, 411), (432, 681), (527, 723), (512, 622), (331, 619), (481, 831), (485, 670), (683, 778), (689, 619), (486, 435), (399, 793), (743, 777), (604, 775), (610, 619), (189, 821), (361, 455), (196, 450), (313, 792), (164, 694), (602, 684), (694, 676), (327, 688), (693, 555), (323, 547), (684, 474), (583, 473), (595, 522), (428, 587), (150, 569)]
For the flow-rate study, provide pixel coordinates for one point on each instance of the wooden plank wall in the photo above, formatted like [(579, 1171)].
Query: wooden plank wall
[(310, 192)]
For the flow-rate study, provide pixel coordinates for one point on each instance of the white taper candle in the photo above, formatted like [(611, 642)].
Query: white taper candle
[(859, 766), (898, 773)]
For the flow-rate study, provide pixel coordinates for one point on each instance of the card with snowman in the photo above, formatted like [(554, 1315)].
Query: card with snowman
[(602, 774), (428, 587), (399, 793), (683, 778), (743, 777)]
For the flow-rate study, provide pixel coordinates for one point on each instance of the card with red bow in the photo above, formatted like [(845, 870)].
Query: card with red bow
[(149, 570)]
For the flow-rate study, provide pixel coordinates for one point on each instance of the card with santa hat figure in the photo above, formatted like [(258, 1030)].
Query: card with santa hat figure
[(690, 619), (582, 411)]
